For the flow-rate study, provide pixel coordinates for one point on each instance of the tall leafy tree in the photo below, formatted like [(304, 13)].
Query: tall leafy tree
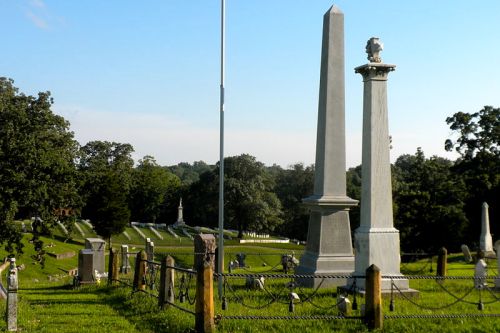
[(152, 189), (106, 171), (429, 200), (477, 140), (37, 171), (293, 185), (250, 203), (200, 200), (190, 173)]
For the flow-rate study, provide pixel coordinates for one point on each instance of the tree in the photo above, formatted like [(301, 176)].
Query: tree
[(188, 173), (353, 187), (106, 172), (152, 185), (37, 172), (477, 142), (201, 200), (250, 204), (249, 201), (293, 185), (111, 213), (429, 201), (478, 133)]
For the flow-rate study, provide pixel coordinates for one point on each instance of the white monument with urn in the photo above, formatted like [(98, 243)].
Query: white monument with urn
[(376, 239)]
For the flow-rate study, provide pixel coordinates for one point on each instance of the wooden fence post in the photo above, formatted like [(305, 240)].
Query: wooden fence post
[(442, 262), (112, 266), (167, 277), (204, 248), (140, 271), (374, 316)]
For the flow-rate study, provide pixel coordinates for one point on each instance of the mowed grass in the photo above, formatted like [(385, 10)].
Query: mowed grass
[(48, 303), (58, 308)]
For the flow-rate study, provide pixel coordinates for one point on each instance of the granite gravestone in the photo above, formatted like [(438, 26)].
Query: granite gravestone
[(86, 266), (12, 287), (466, 253), (125, 267), (98, 246), (480, 272)]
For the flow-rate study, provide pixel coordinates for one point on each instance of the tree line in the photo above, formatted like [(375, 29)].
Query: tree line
[(45, 172)]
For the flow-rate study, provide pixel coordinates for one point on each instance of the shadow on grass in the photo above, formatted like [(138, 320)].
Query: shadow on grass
[(63, 287), (67, 240), (59, 301), (142, 310)]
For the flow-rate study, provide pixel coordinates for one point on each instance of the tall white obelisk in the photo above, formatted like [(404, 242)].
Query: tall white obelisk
[(329, 243), (485, 240)]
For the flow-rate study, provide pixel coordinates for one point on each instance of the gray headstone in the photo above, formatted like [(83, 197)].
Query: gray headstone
[(255, 283), (480, 274), (12, 286), (466, 252), (125, 267), (240, 258), (344, 305), (86, 266), (98, 247)]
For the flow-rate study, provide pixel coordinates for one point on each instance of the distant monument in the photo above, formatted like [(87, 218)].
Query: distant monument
[(180, 221), (485, 241), (329, 244), (376, 239)]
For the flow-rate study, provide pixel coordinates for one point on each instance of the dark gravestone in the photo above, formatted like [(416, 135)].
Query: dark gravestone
[(240, 258)]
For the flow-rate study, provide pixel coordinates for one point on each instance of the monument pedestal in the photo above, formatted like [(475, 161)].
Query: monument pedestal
[(329, 249), (379, 246)]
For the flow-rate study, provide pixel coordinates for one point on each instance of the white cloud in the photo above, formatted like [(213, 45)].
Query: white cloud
[(37, 20), (172, 141), (37, 3)]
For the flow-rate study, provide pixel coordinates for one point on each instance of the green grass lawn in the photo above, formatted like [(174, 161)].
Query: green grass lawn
[(58, 308), (49, 304)]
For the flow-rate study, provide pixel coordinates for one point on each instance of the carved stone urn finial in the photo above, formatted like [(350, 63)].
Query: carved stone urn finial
[(373, 48)]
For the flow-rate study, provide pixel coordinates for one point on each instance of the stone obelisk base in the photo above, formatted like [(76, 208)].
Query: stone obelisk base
[(329, 249), (379, 246)]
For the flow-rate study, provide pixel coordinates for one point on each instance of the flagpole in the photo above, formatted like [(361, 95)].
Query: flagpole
[(220, 261)]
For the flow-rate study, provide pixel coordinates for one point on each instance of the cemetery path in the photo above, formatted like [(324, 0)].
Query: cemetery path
[(63, 309)]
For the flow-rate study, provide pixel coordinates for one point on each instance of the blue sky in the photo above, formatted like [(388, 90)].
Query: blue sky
[(147, 72)]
